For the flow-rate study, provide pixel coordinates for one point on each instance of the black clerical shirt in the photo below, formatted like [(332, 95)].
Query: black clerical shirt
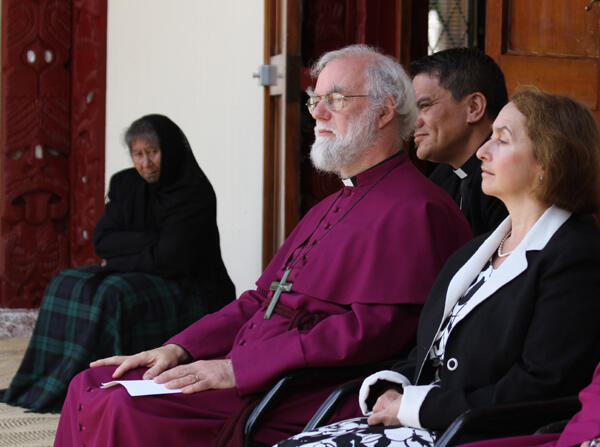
[(483, 212)]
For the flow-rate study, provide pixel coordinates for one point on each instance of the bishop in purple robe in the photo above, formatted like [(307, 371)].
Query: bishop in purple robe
[(346, 288)]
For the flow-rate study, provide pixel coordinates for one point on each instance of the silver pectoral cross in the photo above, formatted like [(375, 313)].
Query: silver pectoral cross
[(278, 287)]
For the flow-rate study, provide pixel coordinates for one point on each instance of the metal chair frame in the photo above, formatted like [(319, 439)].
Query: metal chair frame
[(480, 423)]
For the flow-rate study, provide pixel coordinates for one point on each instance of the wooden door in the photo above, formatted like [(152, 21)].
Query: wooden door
[(552, 44), (52, 134), (281, 124), (396, 27), (297, 32)]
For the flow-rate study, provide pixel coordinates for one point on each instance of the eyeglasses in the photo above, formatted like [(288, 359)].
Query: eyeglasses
[(334, 101)]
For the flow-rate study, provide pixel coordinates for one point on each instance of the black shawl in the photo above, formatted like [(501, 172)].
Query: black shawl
[(167, 228)]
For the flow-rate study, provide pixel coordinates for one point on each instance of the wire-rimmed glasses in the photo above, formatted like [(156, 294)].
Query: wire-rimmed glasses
[(333, 100)]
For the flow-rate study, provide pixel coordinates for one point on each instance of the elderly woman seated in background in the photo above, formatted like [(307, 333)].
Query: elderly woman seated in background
[(161, 269), (513, 315)]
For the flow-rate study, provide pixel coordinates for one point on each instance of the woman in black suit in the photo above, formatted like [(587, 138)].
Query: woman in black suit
[(513, 315)]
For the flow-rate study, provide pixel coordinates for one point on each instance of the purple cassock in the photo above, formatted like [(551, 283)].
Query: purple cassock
[(362, 263), (584, 426)]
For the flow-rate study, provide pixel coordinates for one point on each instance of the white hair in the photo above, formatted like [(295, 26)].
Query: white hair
[(385, 79)]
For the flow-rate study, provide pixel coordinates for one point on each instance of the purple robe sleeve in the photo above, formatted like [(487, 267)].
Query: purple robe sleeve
[(585, 425), (213, 335), (364, 334)]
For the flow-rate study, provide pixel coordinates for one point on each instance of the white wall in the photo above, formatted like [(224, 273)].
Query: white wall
[(193, 60)]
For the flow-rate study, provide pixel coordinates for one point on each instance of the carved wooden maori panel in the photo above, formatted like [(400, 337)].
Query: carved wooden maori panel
[(88, 104), (36, 156), (36, 39)]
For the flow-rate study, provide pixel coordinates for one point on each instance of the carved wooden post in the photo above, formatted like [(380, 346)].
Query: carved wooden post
[(88, 102), (41, 141)]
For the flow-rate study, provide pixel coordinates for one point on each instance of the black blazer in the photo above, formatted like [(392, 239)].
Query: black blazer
[(533, 331)]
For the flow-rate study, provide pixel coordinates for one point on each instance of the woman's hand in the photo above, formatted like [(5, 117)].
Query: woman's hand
[(385, 410), (103, 263), (157, 360), (199, 376)]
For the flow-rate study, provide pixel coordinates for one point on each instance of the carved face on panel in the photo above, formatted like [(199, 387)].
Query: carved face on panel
[(35, 197), (36, 106), (35, 171), (38, 80)]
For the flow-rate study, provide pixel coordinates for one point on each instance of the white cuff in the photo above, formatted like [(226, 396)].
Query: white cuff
[(365, 388), (412, 399)]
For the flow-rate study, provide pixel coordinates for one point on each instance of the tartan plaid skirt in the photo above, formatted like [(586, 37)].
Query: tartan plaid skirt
[(87, 314)]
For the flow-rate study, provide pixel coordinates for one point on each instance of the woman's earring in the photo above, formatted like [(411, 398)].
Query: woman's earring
[(541, 178)]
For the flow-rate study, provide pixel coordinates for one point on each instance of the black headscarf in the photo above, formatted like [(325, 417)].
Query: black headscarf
[(166, 228), (179, 168)]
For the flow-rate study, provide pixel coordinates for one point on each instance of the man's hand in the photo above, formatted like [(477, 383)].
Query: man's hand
[(199, 376), (385, 410), (157, 360)]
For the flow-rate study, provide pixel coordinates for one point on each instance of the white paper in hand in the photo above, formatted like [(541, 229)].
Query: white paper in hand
[(142, 387)]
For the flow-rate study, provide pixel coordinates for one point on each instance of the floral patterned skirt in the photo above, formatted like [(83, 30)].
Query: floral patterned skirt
[(356, 432)]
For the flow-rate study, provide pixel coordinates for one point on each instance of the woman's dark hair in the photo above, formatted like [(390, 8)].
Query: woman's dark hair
[(566, 143)]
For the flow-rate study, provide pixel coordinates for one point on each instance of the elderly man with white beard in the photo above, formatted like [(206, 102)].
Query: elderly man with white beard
[(346, 287)]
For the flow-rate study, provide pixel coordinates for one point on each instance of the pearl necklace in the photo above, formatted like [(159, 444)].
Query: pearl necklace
[(500, 254)]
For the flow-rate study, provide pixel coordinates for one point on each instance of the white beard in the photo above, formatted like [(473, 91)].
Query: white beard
[(333, 155)]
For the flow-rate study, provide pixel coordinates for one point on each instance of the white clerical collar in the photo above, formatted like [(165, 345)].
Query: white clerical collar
[(461, 174), (347, 182)]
